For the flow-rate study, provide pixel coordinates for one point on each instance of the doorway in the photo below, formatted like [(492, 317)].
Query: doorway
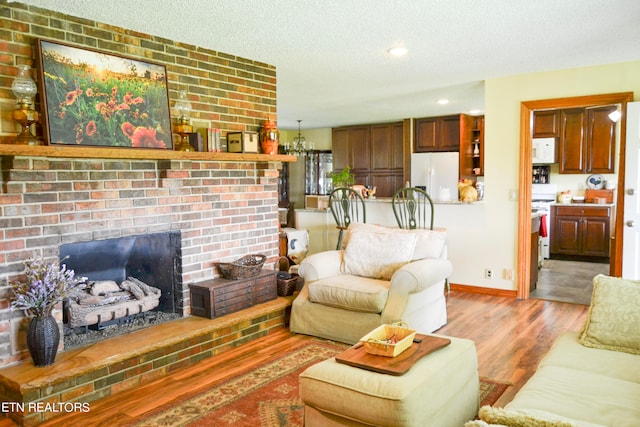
[(525, 180)]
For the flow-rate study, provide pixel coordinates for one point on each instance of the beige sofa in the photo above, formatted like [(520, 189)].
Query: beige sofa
[(587, 379), (382, 276)]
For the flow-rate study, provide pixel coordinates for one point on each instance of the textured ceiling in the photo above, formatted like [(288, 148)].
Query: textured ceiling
[(331, 55)]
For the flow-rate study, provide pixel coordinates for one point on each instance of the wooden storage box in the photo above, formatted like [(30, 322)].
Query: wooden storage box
[(316, 202), (590, 196), (217, 297), (242, 142)]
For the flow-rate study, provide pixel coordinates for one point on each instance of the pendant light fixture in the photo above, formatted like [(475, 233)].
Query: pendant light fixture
[(299, 145)]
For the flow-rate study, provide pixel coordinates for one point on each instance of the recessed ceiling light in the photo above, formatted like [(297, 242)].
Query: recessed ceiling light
[(443, 101), (398, 51), (474, 111)]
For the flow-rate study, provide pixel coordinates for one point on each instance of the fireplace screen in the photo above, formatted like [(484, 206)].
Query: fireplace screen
[(127, 276)]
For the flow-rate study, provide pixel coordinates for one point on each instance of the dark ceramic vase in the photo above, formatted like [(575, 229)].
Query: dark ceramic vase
[(43, 338)]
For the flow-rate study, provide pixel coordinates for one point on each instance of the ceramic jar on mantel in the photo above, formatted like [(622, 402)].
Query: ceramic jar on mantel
[(269, 137)]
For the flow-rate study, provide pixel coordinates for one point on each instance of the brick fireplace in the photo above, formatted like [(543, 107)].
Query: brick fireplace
[(224, 207), (223, 210)]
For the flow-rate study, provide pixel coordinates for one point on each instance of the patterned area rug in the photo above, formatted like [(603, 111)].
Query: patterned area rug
[(266, 396)]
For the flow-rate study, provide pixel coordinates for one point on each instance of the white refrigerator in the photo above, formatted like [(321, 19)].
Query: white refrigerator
[(437, 172)]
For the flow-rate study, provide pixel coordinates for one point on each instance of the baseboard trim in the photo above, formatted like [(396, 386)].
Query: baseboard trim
[(484, 291)]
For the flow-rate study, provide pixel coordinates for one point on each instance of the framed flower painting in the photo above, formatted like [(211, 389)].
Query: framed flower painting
[(90, 98)]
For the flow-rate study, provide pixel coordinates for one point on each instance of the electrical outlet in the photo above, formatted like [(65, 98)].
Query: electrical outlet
[(508, 274), (487, 273)]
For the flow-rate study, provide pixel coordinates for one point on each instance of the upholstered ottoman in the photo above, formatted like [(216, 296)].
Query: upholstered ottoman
[(441, 389)]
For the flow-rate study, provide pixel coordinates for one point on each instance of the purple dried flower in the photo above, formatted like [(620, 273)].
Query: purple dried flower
[(45, 285)]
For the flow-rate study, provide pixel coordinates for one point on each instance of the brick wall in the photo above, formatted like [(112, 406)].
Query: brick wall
[(223, 209)]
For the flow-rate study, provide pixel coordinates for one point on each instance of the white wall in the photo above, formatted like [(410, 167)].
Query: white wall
[(502, 134)]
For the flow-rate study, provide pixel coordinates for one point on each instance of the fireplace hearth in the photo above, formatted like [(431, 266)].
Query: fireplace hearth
[(133, 282)]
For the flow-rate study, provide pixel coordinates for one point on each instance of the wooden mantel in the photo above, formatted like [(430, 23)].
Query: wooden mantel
[(135, 153)]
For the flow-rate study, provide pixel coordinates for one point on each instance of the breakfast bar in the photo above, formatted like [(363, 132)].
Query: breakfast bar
[(323, 234), (462, 221)]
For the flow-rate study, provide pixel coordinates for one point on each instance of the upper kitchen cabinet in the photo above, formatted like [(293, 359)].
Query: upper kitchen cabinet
[(573, 146), (601, 140), (587, 140), (387, 158), (471, 146), (437, 134), (546, 123), (351, 146), (375, 154)]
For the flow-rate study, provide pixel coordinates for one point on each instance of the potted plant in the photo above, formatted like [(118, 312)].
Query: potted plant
[(45, 285), (344, 178)]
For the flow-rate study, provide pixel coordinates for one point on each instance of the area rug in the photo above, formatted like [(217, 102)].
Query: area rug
[(266, 396)]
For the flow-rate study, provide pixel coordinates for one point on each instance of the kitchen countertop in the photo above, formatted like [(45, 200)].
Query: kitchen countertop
[(604, 205), (380, 200), (435, 201)]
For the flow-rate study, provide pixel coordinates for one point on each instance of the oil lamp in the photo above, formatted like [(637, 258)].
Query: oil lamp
[(182, 109), (24, 88)]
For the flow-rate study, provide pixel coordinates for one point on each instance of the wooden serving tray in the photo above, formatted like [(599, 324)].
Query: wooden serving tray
[(357, 356)]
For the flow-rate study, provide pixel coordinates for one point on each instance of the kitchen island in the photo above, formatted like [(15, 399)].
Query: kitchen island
[(462, 221), (323, 234)]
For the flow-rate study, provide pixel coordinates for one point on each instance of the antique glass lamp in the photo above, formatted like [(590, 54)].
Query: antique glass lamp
[(182, 109), (24, 89)]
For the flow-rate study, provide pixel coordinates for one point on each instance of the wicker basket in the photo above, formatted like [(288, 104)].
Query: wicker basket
[(243, 268), (286, 287), (388, 340)]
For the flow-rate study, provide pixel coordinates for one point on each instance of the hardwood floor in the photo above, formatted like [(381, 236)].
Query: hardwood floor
[(511, 337)]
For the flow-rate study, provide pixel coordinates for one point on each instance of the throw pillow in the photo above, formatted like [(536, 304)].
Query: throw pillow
[(514, 418), (361, 226), (613, 321), (377, 255), (429, 243)]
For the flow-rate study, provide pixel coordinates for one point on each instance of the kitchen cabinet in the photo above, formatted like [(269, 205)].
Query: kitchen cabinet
[(580, 231), (437, 134), (283, 190), (573, 147), (471, 146), (340, 148), (351, 146), (375, 154), (601, 140), (387, 160), (587, 140), (546, 123)]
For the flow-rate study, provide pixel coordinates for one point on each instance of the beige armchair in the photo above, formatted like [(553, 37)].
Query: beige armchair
[(382, 276)]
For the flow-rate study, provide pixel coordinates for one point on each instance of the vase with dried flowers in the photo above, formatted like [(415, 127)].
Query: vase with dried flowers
[(45, 285)]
